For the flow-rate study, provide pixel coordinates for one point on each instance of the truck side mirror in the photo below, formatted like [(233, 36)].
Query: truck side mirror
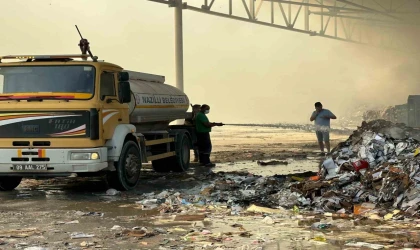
[(124, 92), (123, 76)]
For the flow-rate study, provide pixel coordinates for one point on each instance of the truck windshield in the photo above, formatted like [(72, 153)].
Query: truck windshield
[(70, 80)]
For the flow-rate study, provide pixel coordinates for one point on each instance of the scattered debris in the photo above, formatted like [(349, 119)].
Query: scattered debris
[(191, 217), (116, 227), (19, 233), (81, 235), (141, 233), (66, 223), (87, 244), (112, 192), (365, 245), (272, 163), (266, 210), (80, 213), (268, 220)]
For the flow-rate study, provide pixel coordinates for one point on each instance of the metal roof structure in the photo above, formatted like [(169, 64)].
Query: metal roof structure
[(390, 24)]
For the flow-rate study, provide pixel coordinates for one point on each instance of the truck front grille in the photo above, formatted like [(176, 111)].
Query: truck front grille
[(20, 159), (41, 143), (21, 143), (34, 143), (41, 159)]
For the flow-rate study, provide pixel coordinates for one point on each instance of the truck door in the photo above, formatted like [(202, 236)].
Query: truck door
[(112, 111)]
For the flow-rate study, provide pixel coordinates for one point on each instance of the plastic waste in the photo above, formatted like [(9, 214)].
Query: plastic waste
[(320, 238), (163, 194), (205, 232), (360, 164), (297, 178), (184, 202), (161, 230), (149, 202), (87, 244), (342, 224), (116, 227), (112, 192), (236, 209), (265, 210), (365, 245), (400, 147), (268, 220), (331, 167), (320, 225), (363, 208), (81, 235), (315, 178), (80, 213)]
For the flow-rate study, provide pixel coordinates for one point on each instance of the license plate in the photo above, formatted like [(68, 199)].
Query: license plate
[(30, 167)]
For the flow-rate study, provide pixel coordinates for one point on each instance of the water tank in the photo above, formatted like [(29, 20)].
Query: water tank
[(154, 104)]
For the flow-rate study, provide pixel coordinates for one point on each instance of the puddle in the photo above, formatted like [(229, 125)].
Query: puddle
[(293, 166)]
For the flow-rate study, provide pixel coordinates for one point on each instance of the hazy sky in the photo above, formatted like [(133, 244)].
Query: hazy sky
[(247, 73)]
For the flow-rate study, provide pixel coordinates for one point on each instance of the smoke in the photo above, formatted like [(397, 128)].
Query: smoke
[(390, 75), (391, 79)]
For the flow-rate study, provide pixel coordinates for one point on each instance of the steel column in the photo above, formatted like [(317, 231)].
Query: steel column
[(179, 55)]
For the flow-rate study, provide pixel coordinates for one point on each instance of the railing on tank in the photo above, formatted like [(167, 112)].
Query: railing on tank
[(29, 58)]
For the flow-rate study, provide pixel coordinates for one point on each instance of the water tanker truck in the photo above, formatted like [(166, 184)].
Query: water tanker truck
[(69, 115)]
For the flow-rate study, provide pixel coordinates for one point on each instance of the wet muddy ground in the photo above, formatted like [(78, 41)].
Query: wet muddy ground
[(76, 213)]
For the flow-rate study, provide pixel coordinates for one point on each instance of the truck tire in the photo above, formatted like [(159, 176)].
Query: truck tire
[(9, 183), (181, 161), (127, 175)]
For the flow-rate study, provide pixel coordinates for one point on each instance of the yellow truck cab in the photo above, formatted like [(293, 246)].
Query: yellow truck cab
[(68, 116)]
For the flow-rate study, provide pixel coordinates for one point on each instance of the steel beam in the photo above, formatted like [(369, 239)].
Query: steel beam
[(247, 20), (360, 19), (179, 55), (331, 7), (370, 9)]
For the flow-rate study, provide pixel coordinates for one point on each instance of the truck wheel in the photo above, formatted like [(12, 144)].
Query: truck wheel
[(162, 165), (9, 183), (178, 163), (127, 175), (181, 161)]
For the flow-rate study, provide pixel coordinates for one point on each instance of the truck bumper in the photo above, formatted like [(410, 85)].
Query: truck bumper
[(58, 162)]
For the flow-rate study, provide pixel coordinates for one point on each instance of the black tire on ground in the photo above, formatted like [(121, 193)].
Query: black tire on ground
[(9, 183), (181, 161), (127, 175)]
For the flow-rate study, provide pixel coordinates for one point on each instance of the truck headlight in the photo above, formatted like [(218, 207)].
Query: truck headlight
[(94, 156), (84, 156)]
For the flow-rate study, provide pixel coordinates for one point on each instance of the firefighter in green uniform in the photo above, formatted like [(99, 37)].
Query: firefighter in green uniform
[(203, 128)]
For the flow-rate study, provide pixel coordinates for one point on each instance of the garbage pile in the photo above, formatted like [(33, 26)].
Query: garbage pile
[(235, 189), (376, 168)]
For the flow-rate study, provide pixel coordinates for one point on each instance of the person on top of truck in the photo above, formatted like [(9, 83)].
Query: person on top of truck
[(203, 128)]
